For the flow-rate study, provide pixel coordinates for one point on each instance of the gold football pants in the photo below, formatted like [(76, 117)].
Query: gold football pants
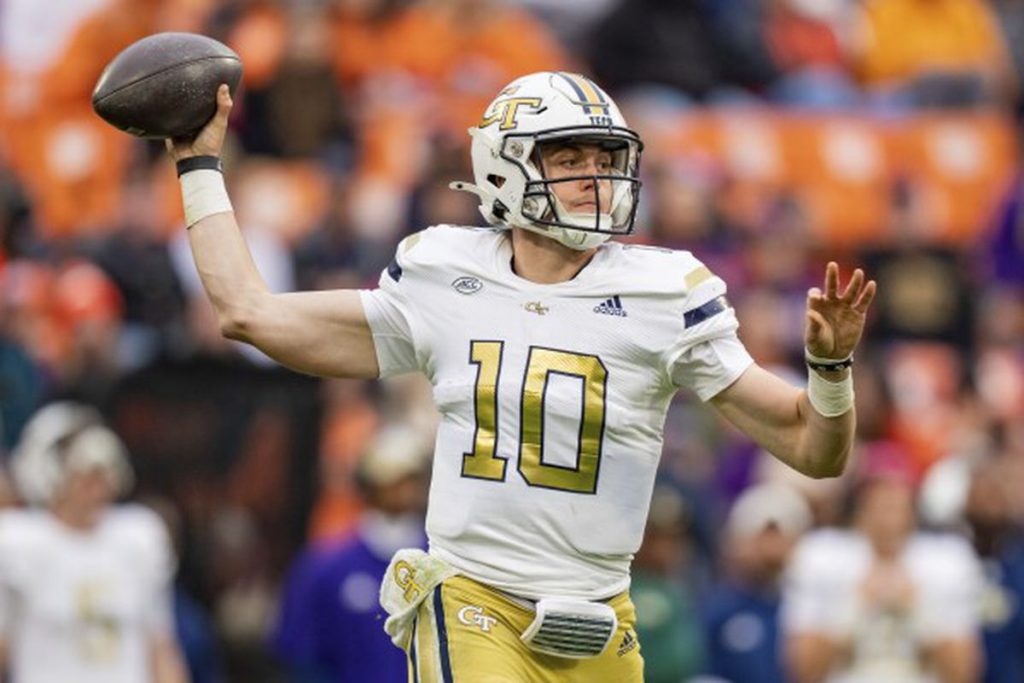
[(467, 632)]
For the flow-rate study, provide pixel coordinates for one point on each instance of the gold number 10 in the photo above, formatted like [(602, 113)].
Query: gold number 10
[(484, 463)]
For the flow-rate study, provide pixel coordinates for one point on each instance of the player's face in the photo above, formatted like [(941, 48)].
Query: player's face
[(91, 489), (886, 512), (566, 160)]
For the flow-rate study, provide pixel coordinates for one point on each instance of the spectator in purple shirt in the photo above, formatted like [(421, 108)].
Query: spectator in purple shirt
[(330, 628)]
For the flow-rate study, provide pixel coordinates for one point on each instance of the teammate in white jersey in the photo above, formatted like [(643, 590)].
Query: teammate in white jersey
[(553, 354), (85, 586)]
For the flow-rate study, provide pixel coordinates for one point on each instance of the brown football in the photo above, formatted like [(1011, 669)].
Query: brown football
[(165, 85)]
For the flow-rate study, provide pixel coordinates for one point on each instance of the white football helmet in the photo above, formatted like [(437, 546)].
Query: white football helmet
[(63, 438), (562, 109)]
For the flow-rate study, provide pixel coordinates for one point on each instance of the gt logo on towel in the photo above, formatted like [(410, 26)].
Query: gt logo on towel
[(472, 615), (404, 574)]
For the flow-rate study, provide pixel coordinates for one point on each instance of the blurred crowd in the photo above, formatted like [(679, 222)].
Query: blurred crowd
[(779, 134)]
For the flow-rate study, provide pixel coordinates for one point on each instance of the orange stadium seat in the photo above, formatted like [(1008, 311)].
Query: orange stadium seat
[(840, 169), (843, 167), (963, 164), (72, 165)]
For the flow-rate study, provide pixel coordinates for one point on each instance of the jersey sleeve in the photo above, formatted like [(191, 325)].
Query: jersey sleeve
[(390, 315), (707, 355), (157, 565)]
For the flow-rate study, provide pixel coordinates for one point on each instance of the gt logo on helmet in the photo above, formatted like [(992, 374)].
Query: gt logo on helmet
[(507, 110)]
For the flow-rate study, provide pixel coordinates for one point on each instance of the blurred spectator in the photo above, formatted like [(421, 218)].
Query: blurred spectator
[(458, 49), (84, 584), (337, 252), (741, 613), (330, 625), (809, 41), (20, 389), (998, 540), (291, 107), (571, 21), (926, 288), (1004, 255), (881, 601), (934, 53), (666, 622), (350, 420), (68, 318), (134, 255), (670, 44), (1011, 20), (193, 626)]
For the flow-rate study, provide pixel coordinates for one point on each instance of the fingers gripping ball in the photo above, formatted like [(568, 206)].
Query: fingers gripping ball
[(165, 85)]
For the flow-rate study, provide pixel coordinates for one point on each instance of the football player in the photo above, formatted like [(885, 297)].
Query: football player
[(85, 585), (553, 353)]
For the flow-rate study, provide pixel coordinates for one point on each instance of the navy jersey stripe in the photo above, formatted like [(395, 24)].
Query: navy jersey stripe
[(442, 637), (395, 270), (708, 310), (413, 662)]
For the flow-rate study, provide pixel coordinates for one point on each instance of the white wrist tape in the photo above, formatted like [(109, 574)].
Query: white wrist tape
[(203, 194), (829, 399)]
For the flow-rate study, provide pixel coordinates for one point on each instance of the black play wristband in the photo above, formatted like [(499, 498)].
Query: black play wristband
[(830, 367), (206, 162)]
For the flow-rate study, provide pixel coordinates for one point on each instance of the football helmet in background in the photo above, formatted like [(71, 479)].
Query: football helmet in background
[(552, 108), (62, 438)]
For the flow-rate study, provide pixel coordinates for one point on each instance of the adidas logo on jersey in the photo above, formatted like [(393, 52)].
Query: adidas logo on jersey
[(612, 306)]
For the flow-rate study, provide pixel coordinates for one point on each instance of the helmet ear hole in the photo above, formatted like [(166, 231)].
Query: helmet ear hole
[(496, 180)]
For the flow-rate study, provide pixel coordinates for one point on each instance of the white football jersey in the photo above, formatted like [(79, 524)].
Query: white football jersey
[(823, 594), (552, 397), (82, 606)]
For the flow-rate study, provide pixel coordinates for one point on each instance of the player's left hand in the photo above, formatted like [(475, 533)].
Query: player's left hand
[(209, 140), (835, 321)]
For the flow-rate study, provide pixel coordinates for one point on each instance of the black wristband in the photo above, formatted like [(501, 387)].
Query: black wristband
[(830, 367), (210, 163)]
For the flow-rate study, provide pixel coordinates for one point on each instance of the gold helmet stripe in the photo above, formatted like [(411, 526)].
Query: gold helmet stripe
[(591, 98)]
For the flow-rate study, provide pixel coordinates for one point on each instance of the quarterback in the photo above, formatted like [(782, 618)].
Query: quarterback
[(553, 354)]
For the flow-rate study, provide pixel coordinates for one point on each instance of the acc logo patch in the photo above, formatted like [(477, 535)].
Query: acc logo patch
[(467, 285)]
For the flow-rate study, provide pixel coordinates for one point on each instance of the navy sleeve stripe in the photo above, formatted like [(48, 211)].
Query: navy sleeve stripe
[(395, 270), (708, 310)]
